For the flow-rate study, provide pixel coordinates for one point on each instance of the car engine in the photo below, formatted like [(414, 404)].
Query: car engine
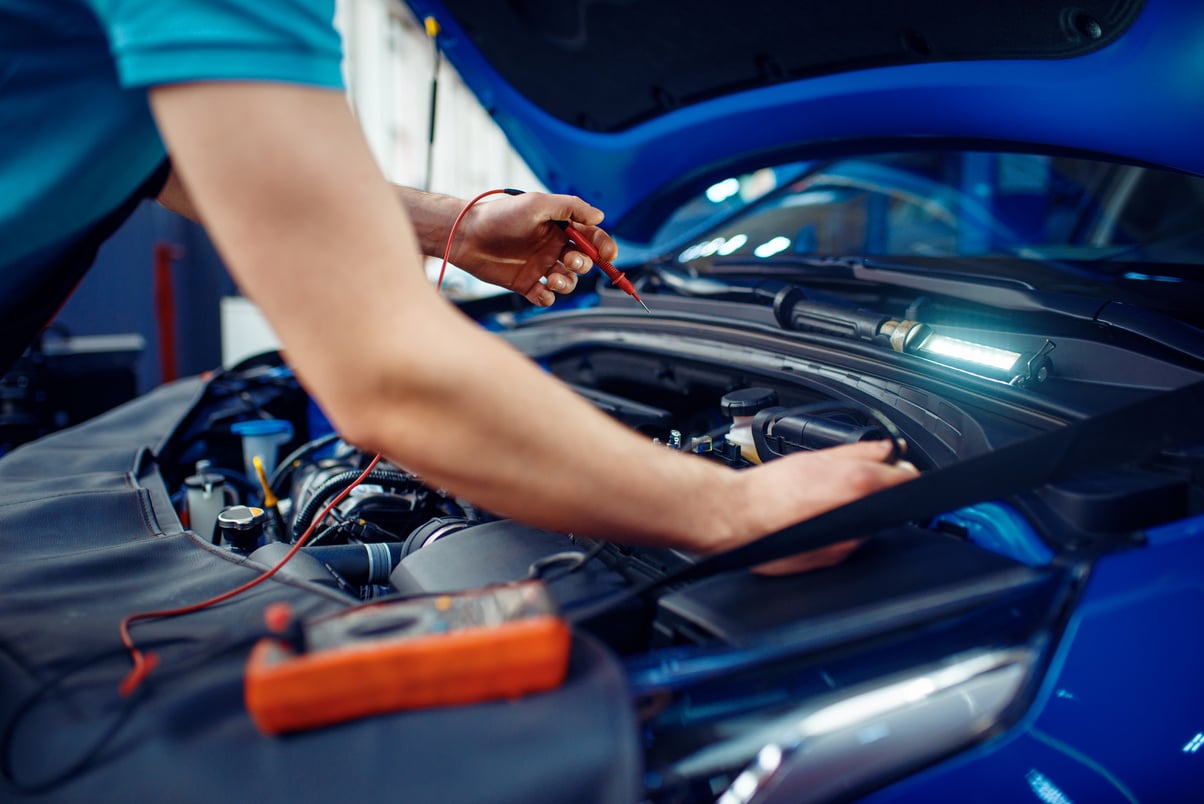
[(717, 666)]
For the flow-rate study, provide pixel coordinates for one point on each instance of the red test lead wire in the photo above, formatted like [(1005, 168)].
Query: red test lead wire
[(451, 234), (145, 662)]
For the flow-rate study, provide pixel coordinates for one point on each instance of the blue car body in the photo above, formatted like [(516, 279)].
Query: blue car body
[(1135, 99)]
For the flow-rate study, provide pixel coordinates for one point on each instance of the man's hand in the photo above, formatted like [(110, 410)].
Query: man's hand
[(512, 241), (804, 485)]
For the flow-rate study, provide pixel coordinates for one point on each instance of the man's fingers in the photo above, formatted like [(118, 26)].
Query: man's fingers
[(576, 210), (820, 558), (561, 281), (869, 451), (601, 241), (538, 293), (575, 261)]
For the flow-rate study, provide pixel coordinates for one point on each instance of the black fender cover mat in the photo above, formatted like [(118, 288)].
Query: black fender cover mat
[(87, 536)]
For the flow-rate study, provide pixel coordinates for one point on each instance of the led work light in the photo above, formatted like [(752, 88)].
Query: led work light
[(795, 311)]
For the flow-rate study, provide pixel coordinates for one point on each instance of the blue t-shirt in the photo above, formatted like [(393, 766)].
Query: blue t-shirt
[(76, 133)]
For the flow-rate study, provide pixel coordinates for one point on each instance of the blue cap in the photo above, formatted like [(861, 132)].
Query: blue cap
[(262, 427)]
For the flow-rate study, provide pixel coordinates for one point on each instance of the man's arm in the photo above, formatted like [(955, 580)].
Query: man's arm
[(317, 238), (512, 244), (175, 196)]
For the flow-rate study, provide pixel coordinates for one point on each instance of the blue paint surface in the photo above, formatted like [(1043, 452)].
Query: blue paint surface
[(1136, 99), (1000, 529), (1119, 715)]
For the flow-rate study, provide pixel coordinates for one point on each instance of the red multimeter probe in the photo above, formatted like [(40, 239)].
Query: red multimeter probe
[(617, 277)]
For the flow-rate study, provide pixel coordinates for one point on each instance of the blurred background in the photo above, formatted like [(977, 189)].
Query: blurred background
[(159, 304)]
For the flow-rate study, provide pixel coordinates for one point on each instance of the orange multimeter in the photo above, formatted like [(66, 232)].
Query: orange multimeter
[(497, 642)]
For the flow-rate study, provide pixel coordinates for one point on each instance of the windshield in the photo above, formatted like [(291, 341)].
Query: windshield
[(970, 204)]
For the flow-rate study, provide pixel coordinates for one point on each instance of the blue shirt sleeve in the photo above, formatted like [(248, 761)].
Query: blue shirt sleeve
[(171, 41)]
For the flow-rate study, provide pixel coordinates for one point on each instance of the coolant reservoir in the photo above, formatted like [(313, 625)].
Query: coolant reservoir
[(207, 496), (740, 406), (261, 437)]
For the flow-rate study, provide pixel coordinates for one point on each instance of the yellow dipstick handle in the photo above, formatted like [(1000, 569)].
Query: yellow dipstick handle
[(269, 499)]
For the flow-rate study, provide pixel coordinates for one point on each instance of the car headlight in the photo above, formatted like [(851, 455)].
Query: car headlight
[(881, 729)]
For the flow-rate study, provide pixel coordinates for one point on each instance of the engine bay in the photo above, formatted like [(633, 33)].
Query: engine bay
[(716, 667)]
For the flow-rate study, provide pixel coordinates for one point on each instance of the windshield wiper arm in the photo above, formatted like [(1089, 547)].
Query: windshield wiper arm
[(695, 285)]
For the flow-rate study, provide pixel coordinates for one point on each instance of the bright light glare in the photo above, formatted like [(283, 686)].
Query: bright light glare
[(810, 198), (732, 245), (1151, 277), (769, 759), (771, 247), (720, 192), (1194, 744), (1044, 788), (708, 248), (942, 346), (745, 786)]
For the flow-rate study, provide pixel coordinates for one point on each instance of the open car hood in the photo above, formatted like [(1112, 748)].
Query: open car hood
[(634, 106)]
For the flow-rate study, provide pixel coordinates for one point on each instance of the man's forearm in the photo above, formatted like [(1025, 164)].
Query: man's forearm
[(175, 196), (432, 216)]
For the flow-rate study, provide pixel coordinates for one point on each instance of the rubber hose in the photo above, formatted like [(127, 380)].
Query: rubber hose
[(332, 486)]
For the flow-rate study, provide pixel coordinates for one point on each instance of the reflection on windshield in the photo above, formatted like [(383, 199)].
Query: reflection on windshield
[(962, 204), (726, 197)]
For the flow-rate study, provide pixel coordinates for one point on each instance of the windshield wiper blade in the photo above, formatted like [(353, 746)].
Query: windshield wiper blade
[(696, 285), (999, 292)]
